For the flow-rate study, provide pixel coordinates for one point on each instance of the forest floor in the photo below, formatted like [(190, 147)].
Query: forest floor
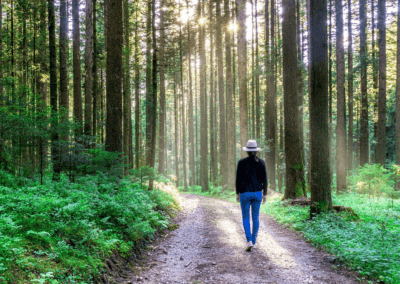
[(209, 247)]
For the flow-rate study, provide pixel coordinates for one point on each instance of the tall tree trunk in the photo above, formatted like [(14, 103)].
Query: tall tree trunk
[(350, 91), (381, 146), (137, 94), (398, 95), (161, 135), (77, 66), (257, 75), (271, 97), (1, 64), (330, 92), (242, 71), (148, 83), (321, 199), (95, 75), (2, 98), (364, 133), (295, 184), (114, 76), (41, 82), (203, 107), (127, 85), (183, 108), (341, 102), (213, 131), (221, 92), (53, 88), (64, 98), (375, 79), (230, 133), (88, 68), (176, 128), (153, 101), (252, 114), (196, 107), (301, 82), (190, 113), (281, 151)]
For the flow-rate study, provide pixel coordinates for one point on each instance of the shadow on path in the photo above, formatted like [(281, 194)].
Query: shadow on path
[(208, 247)]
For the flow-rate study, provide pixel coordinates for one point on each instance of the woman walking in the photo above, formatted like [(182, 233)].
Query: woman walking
[(251, 189)]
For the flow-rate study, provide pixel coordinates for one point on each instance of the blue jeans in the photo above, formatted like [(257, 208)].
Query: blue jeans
[(252, 199)]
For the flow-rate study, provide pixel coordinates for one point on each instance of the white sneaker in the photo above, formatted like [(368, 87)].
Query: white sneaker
[(249, 246), (254, 246)]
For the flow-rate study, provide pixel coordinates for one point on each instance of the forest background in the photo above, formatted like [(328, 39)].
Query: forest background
[(146, 89)]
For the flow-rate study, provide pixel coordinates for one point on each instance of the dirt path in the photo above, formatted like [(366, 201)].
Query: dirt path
[(208, 247)]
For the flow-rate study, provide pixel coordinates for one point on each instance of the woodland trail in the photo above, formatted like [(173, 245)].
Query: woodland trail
[(208, 247)]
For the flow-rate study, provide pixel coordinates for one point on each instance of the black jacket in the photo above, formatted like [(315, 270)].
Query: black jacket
[(251, 176)]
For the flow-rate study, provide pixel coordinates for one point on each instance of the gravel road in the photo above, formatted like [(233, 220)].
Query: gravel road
[(209, 247)]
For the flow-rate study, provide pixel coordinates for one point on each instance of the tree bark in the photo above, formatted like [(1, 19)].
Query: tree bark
[(341, 151), (321, 199), (364, 132), (375, 79), (330, 92), (153, 100), (114, 77), (203, 107), (88, 68), (350, 92), (64, 98), (221, 92), (295, 184), (96, 101), (257, 77), (300, 83), (1, 65), (127, 86), (398, 95), (2, 98), (381, 147), (148, 83), (270, 110), (161, 135), (190, 113), (230, 133), (77, 67), (281, 150), (213, 131), (183, 108), (137, 95), (176, 128), (242, 72), (53, 89)]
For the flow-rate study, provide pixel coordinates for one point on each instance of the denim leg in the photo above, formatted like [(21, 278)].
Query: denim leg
[(255, 210), (245, 204)]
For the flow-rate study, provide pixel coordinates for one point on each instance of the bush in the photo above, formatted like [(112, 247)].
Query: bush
[(69, 229)]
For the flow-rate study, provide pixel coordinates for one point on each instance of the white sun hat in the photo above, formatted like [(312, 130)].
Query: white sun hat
[(251, 146)]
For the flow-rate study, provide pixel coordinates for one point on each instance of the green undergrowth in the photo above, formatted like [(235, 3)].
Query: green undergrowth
[(62, 232), (213, 191), (369, 245)]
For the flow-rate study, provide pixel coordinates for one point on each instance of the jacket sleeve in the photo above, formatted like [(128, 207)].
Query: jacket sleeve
[(238, 178)]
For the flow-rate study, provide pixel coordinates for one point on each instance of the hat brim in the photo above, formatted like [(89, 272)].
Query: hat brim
[(251, 149)]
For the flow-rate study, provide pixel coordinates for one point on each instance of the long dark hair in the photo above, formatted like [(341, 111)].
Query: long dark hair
[(253, 154)]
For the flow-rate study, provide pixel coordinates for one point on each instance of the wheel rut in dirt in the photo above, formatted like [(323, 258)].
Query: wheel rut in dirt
[(209, 247)]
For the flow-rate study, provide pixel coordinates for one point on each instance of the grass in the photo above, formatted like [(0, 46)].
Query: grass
[(369, 245), (64, 232)]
